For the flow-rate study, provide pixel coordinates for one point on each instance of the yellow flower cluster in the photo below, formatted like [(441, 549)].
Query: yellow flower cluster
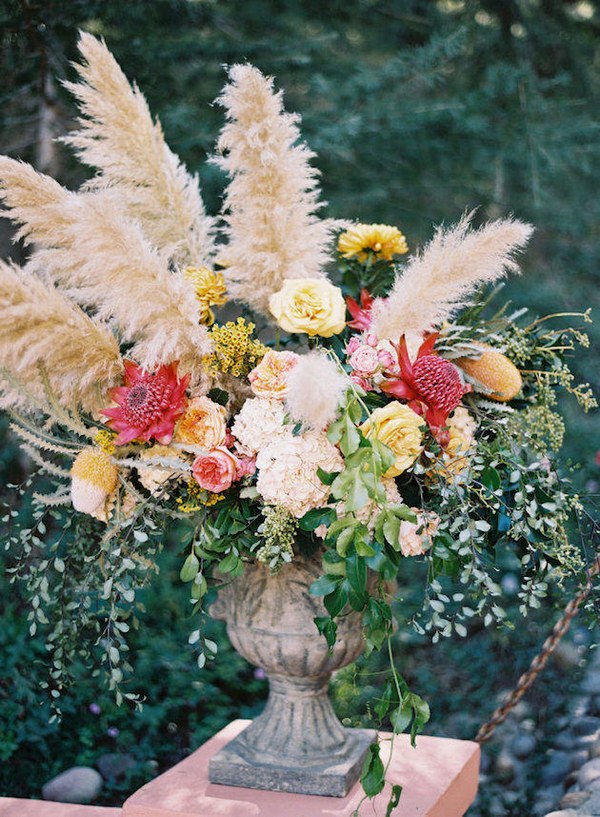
[(197, 498), (105, 440), (210, 290), (236, 351), (379, 240)]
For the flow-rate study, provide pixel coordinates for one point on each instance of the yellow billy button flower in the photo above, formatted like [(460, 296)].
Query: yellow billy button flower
[(380, 240), (495, 372), (210, 290), (399, 427), (93, 481), (310, 305)]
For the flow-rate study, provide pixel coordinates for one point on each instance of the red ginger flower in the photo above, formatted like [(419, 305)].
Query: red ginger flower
[(148, 405), (361, 315), (431, 384)]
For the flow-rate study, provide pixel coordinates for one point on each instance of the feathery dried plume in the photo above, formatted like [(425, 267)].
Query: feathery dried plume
[(315, 388), (39, 325), (437, 281), (91, 247), (117, 136), (272, 197)]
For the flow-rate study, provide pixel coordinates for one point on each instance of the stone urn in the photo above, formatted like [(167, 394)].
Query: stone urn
[(297, 744)]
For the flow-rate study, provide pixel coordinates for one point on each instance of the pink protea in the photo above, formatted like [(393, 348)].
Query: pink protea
[(431, 385), (148, 405)]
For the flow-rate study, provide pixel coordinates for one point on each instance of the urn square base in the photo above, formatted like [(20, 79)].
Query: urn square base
[(332, 777), (439, 779)]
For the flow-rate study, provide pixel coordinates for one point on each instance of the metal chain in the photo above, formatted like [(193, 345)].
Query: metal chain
[(541, 659)]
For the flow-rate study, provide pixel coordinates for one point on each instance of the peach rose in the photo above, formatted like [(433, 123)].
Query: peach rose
[(202, 425), (269, 378), (215, 471), (417, 537)]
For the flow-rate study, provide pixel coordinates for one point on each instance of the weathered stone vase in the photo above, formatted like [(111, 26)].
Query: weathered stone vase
[(297, 744)]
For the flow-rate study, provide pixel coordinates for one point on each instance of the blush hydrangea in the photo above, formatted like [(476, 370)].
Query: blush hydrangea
[(287, 472)]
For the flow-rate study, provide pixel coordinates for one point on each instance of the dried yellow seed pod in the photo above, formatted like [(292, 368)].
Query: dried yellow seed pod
[(93, 480), (495, 372)]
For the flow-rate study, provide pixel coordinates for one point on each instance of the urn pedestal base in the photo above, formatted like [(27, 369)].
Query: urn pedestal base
[(439, 779), (333, 776)]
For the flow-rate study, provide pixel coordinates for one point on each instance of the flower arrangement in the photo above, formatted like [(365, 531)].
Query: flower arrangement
[(395, 416)]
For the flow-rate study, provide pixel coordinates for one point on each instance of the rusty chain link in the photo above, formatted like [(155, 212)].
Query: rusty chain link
[(541, 659)]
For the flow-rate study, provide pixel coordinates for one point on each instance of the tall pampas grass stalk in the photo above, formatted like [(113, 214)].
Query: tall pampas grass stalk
[(438, 281), (315, 389), (89, 246), (272, 198), (118, 137), (38, 325)]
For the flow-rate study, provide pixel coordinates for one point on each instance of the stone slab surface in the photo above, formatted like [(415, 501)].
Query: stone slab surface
[(439, 777), (15, 807), (335, 778)]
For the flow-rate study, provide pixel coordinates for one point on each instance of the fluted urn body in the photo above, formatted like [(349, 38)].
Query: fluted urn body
[(297, 743)]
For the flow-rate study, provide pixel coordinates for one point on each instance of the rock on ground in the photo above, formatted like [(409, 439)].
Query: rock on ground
[(80, 784)]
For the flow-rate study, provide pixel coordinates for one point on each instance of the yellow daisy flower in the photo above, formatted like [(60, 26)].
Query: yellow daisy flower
[(381, 240), (210, 290)]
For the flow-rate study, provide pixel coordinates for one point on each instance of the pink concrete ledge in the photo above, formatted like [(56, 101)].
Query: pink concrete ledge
[(14, 807), (439, 779)]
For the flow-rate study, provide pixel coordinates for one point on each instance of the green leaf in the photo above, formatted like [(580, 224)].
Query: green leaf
[(356, 572), (323, 585), (326, 477), (318, 516), (354, 490), (229, 564), (391, 530), (394, 799), (219, 396), (385, 455), (383, 703), (490, 478), (190, 568), (401, 717), (350, 439), (362, 542), (334, 432), (327, 627), (344, 540), (373, 772), (336, 600), (355, 411)]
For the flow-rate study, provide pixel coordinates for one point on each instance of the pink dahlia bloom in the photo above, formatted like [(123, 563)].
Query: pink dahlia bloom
[(215, 471), (147, 405)]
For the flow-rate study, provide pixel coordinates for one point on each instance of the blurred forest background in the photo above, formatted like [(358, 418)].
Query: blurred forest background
[(417, 110)]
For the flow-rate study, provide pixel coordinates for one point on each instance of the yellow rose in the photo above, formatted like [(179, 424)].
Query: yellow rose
[(203, 425), (399, 427), (269, 378), (310, 305)]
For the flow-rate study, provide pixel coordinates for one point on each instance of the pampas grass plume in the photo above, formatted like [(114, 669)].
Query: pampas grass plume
[(272, 198), (316, 387), (437, 281), (88, 245), (119, 138), (39, 325)]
